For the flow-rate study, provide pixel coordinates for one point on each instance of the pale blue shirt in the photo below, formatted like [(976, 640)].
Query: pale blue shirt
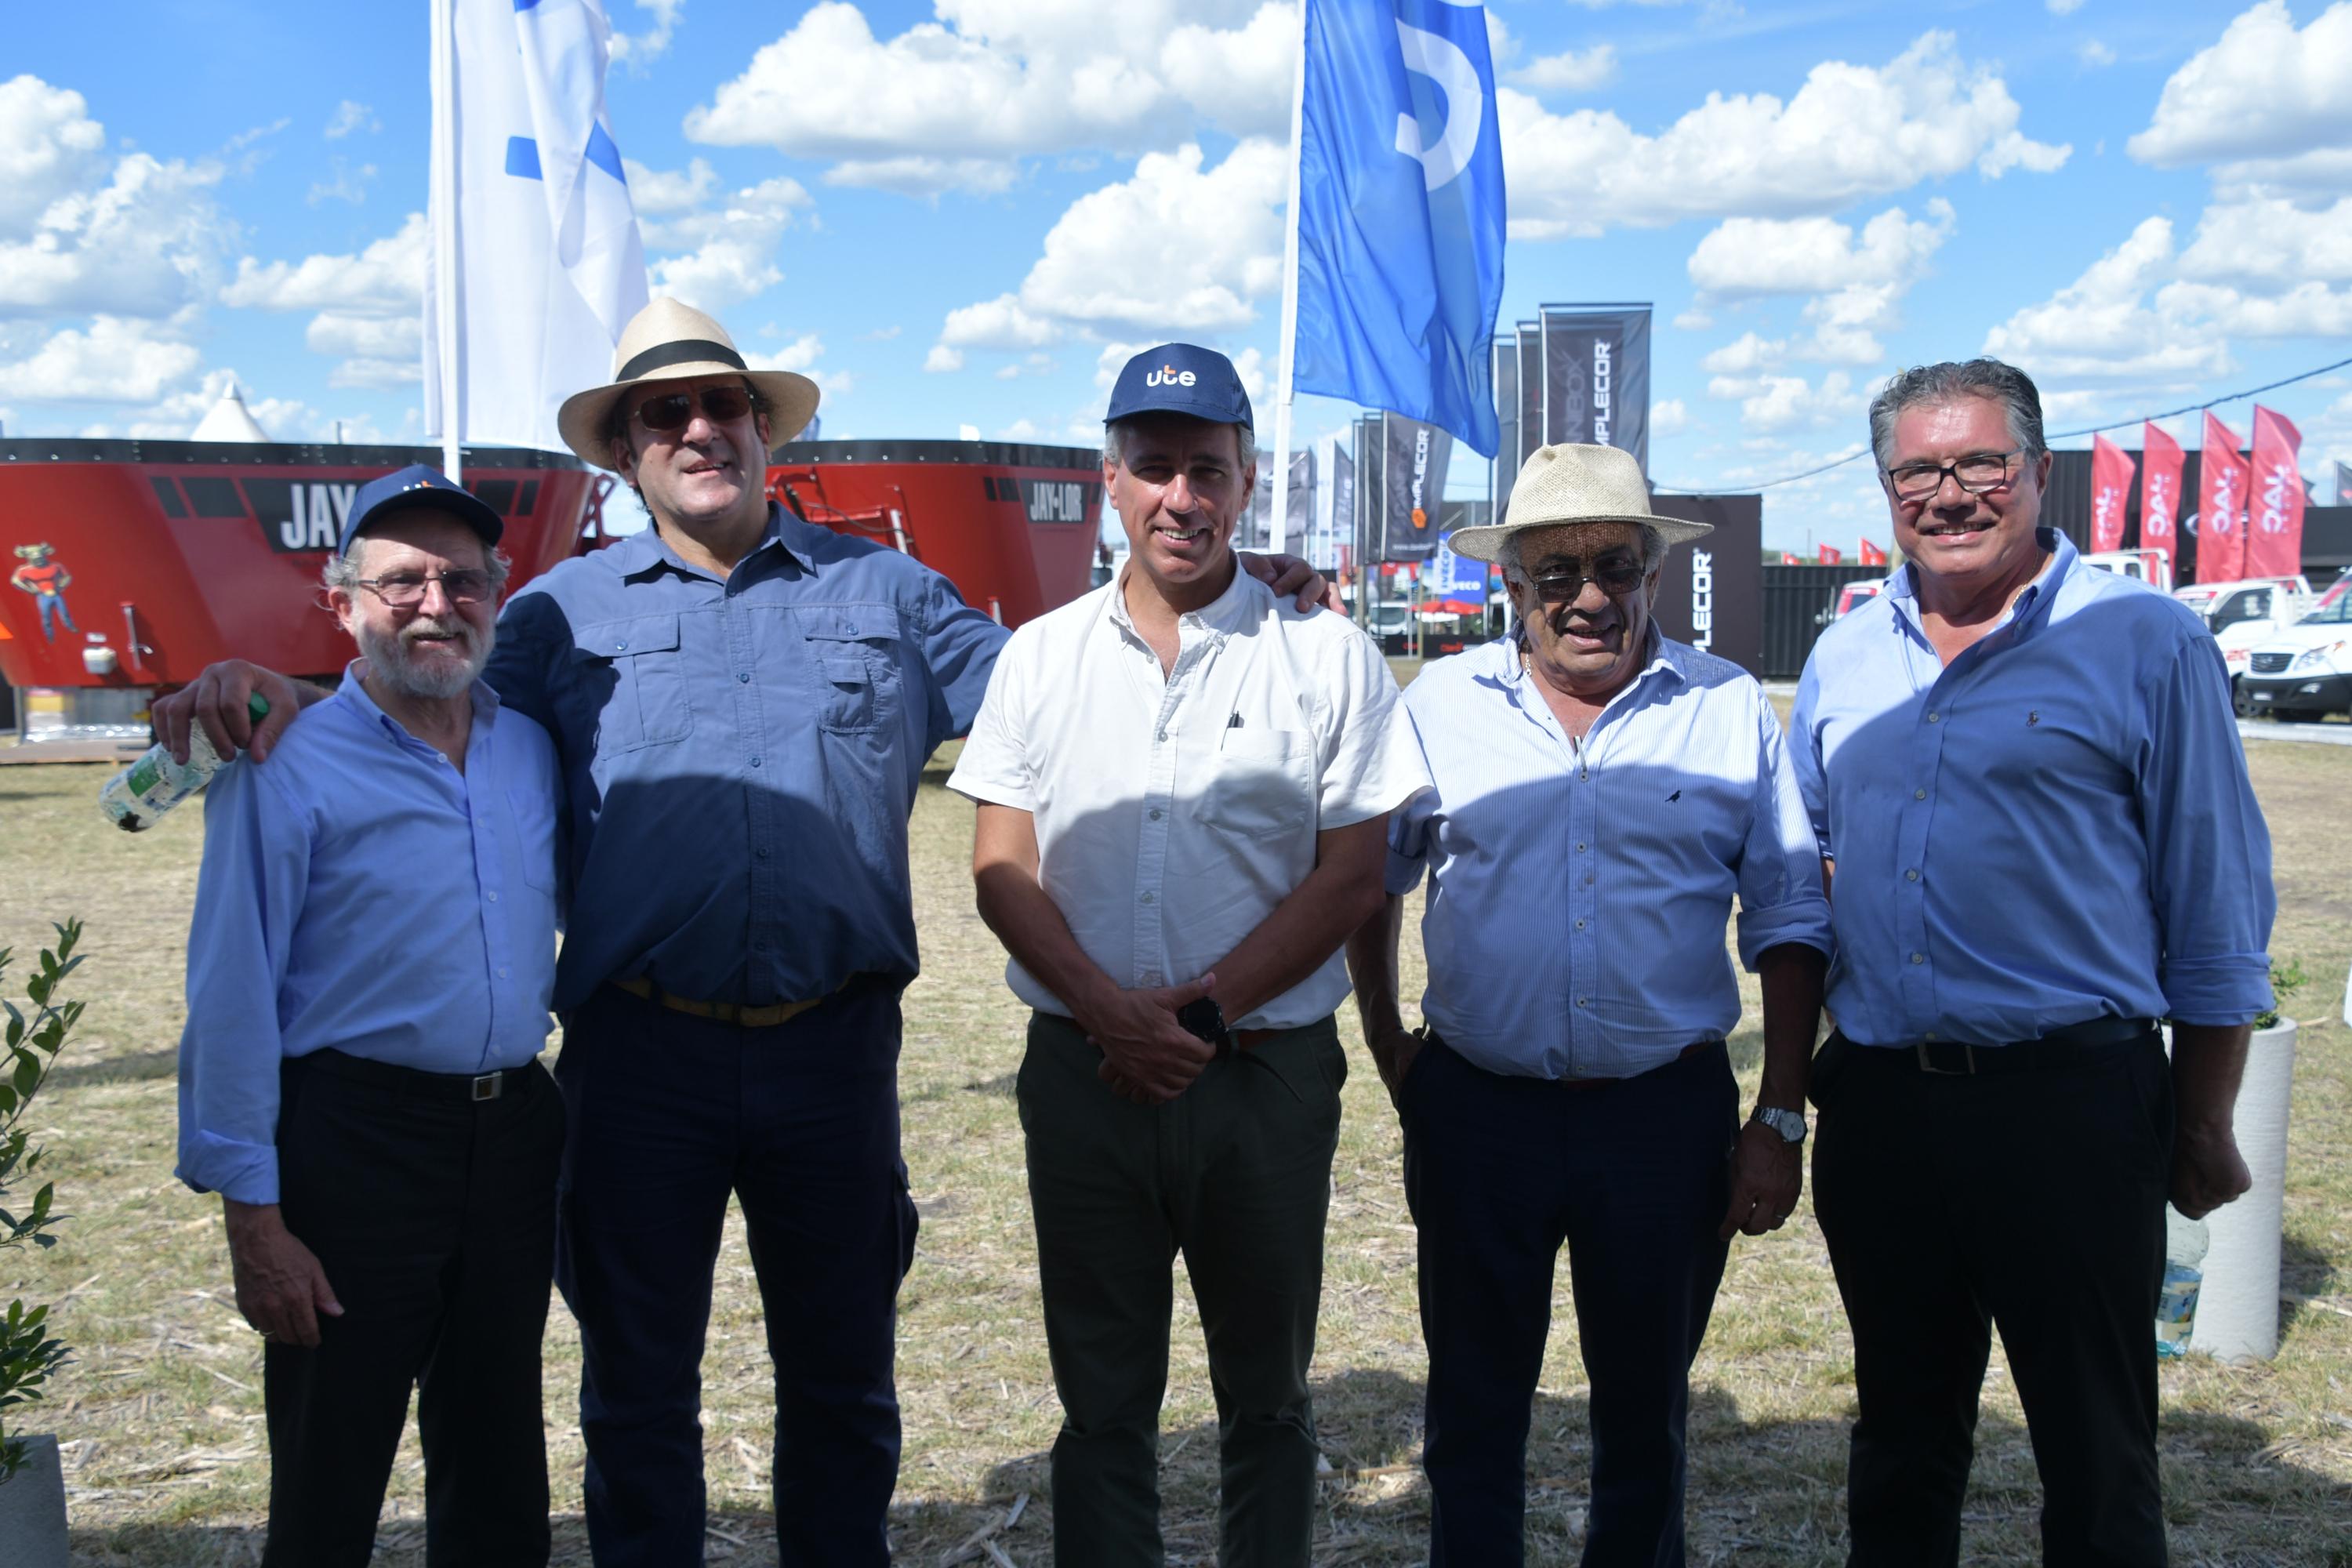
[(2054, 828), (1578, 894), (359, 892)]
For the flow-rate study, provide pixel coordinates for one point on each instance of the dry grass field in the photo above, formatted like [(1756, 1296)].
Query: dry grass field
[(159, 1413)]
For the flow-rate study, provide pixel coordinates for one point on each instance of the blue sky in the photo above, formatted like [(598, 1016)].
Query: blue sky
[(961, 213)]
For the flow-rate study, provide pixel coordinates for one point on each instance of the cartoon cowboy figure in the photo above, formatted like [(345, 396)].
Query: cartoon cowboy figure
[(46, 580)]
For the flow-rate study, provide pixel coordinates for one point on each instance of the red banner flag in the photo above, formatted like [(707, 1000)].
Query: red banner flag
[(2274, 529), (1830, 555), (2220, 506), (2111, 478), (1789, 558), (1870, 554), (2159, 490)]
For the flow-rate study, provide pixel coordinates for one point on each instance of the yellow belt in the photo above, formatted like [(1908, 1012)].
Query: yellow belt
[(766, 1017)]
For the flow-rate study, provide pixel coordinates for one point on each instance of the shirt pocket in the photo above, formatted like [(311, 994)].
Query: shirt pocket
[(1260, 784), (530, 815), (855, 666), (635, 670)]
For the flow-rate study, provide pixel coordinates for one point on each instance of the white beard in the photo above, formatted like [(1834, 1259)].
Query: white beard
[(389, 660)]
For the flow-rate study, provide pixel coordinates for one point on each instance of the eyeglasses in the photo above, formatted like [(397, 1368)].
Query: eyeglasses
[(405, 589), (1615, 578), (1979, 473), (671, 411)]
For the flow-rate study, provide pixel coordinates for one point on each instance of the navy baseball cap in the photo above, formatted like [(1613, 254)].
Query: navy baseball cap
[(417, 486), (1181, 378)]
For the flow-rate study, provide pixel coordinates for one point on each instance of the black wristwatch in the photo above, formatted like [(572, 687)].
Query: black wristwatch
[(1204, 1020)]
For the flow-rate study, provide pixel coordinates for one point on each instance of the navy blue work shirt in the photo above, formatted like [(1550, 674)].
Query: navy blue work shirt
[(739, 754)]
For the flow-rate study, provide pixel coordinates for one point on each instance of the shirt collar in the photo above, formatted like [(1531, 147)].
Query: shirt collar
[(647, 551), (2033, 605), (1223, 615), (1667, 655), (354, 694)]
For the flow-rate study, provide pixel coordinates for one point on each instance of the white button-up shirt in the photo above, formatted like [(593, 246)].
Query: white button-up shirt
[(1174, 813), (1578, 894)]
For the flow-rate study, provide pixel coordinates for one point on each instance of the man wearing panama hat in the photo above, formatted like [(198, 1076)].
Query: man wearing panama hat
[(741, 703), (1602, 794)]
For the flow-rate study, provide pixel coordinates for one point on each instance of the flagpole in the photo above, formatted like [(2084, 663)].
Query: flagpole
[(1286, 367), (445, 228)]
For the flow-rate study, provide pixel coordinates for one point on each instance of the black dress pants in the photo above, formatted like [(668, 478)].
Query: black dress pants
[(433, 1217), (2028, 1200), (1634, 1176)]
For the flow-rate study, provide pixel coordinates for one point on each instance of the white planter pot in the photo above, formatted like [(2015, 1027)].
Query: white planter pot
[(33, 1510), (2238, 1303)]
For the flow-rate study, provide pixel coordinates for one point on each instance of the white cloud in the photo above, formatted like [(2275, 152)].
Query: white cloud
[(148, 241), (1851, 132), (637, 50), (2267, 98), (367, 305), (1570, 70), (1745, 355), (943, 360), (373, 351), (2101, 324), (2309, 309), (1744, 257), (658, 193), (800, 354), (49, 146), (116, 361), (2271, 239), (1770, 404), (955, 103), (998, 323), (730, 246), (2064, 8), (1668, 416), (2091, 52), (349, 185), (351, 117)]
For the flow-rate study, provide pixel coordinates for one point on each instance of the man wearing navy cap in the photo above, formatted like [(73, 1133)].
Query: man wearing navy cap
[(1185, 784), (369, 969)]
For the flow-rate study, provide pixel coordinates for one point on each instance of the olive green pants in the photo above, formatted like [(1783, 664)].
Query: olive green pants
[(1235, 1174)]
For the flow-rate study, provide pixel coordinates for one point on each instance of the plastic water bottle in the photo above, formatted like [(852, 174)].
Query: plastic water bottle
[(2176, 1306), (134, 798)]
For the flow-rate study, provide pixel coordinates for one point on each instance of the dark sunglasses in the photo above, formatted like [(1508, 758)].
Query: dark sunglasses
[(1615, 578), (720, 406)]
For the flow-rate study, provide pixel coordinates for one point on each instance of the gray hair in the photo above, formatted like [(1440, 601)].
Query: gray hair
[(1115, 440), (341, 573), (1654, 551), (2004, 384)]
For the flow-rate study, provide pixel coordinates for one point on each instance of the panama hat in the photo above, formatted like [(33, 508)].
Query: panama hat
[(670, 341), (1566, 484)]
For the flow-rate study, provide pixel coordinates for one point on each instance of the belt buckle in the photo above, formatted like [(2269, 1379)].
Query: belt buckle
[(1967, 1053), (488, 1086)]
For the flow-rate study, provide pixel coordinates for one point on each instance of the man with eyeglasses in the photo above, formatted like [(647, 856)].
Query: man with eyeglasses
[(2029, 796), (742, 703), (369, 969), (1604, 792)]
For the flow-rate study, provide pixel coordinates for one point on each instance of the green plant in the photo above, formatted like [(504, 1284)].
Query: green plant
[(29, 1353), (2284, 983)]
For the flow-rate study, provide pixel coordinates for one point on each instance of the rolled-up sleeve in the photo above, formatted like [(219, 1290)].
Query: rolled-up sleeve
[(1781, 897), (2208, 850), (249, 894)]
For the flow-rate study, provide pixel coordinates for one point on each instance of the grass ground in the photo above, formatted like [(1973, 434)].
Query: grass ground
[(160, 1414)]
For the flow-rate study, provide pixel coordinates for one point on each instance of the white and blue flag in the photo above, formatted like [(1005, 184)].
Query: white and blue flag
[(1401, 216), (548, 263)]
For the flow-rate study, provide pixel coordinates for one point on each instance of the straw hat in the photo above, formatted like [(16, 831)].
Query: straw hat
[(670, 341), (1568, 484)]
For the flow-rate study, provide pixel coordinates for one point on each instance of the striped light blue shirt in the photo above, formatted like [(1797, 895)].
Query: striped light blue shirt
[(359, 892), (1579, 894), (2056, 827)]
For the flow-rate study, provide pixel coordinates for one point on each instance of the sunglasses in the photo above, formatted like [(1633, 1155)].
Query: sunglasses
[(1615, 578), (720, 406)]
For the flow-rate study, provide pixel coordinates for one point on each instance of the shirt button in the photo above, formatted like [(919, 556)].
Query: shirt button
[(1147, 898), (1588, 878), (502, 974), (494, 896), (1919, 794), (1918, 958), (1155, 813), (1584, 1001), (1162, 736), (761, 853), (1911, 876), (1580, 925), (1935, 718), (755, 762), (743, 675), (1580, 849)]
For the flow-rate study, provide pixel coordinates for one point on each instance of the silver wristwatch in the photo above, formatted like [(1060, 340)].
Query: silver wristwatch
[(1788, 1125)]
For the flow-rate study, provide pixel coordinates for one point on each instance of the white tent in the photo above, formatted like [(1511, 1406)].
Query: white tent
[(230, 420)]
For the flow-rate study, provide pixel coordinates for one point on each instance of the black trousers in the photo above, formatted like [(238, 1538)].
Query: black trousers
[(668, 1115), (2030, 1201), (433, 1217), (1634, 1177)]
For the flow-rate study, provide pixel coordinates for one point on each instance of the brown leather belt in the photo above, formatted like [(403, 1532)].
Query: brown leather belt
[(733, 1012), (1250, 1039)]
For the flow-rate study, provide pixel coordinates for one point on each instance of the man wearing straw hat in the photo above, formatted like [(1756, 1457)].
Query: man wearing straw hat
[(741, 703), (2029, 789), (1602, 794)]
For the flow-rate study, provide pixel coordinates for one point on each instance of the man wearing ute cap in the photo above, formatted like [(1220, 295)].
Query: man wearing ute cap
[(1183, 786), (368, 975), (741, 703), (1602, 794)]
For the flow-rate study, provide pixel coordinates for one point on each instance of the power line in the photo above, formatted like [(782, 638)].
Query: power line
[(2062, 436)]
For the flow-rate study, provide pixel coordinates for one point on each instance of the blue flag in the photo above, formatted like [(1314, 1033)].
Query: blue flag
[(1401, 212)]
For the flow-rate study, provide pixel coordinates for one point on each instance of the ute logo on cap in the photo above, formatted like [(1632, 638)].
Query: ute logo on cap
[(1169, 375)]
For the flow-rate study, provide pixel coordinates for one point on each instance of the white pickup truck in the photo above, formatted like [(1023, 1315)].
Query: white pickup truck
[(2242, 615), (2302, 672)]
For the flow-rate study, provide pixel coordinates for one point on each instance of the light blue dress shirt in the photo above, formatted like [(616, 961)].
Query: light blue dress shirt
[(1578, 894), (2056, 827), (359, 892), (739, 754)]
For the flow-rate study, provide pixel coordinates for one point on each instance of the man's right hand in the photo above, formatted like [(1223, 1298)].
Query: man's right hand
[(1148, 1056), (217, 700), (280, 1288), (1393, 1051)]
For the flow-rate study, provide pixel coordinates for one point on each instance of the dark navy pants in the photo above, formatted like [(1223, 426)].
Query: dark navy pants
[(1634, 1177), (669, 1114)]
